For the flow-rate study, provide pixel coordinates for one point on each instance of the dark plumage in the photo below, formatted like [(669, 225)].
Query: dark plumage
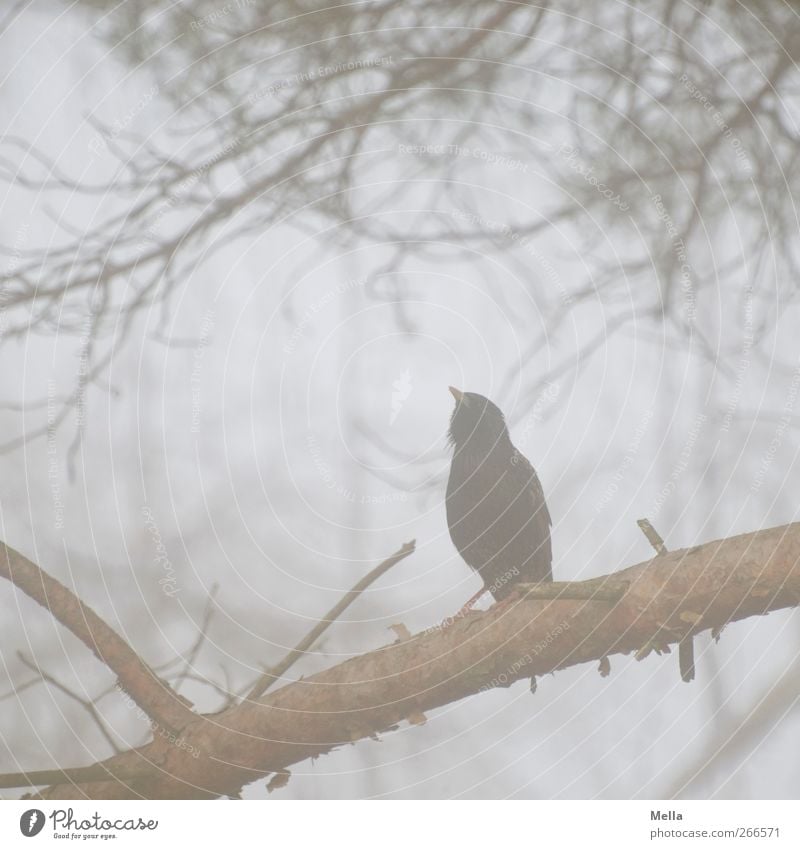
[(496, 511)]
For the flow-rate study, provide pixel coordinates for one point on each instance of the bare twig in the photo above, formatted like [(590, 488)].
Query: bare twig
[(76, 775), (15, 691), (274, 674), (686, 645), (653, 537), (194, 651), (87, 704)]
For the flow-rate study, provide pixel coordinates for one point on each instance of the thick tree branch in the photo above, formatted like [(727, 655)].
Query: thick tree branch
[(668, 597), (154, 696)]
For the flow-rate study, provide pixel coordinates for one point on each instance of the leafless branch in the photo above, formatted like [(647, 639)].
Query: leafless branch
[(276, 672), (151, 694), (668, 597), (87, 704)]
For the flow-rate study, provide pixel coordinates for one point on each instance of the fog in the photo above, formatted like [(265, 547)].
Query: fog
[(247, 248)]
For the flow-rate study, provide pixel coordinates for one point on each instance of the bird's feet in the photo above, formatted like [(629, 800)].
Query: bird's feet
[(472, 602), (467, 608)]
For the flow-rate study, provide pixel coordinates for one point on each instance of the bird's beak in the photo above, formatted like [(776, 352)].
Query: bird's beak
[(456, 393)]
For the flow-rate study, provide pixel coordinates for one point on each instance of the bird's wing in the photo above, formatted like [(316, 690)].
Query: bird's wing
[(497, 505), (537, 492), (474, 505), (541, 522)]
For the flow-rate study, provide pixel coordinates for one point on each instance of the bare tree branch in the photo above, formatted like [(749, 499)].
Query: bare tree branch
[(669, 596), (153, 695)]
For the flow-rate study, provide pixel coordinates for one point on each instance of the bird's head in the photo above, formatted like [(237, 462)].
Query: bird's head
[(476, 422)]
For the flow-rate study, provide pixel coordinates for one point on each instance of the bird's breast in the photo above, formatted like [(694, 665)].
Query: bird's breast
[(497, 515)]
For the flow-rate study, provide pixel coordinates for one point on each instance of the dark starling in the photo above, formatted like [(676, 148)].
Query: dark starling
[(496, 512)]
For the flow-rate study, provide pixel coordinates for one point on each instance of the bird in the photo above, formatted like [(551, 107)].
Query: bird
[(496, 510)]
